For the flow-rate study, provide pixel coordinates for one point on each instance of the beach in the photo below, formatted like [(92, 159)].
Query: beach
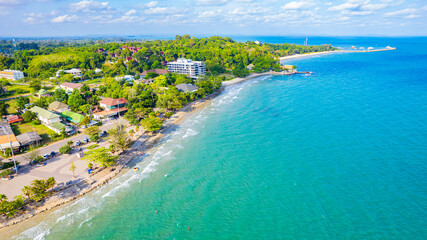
[(304, 55)]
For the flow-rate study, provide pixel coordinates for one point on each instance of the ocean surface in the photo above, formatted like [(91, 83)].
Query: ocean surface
[(339, 154)]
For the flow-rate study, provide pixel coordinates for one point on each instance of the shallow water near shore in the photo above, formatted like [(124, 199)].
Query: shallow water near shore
[(340, 154)]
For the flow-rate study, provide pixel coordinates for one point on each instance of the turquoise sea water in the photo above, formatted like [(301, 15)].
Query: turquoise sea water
[(340, 154)]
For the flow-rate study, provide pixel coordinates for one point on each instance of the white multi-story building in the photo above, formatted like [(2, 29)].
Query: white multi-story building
[(188, 67), (11, 74)]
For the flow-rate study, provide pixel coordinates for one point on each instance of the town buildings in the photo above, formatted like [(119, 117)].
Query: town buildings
[(112, 108), (187, 67), (74, 71), (185, 87), (11, 74), (69, 87), (58, 107)]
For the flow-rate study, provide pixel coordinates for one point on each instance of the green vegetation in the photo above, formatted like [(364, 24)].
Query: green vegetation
[(152, 123), (119, 138), (93, 146), (39, 189), (93, 133), (9, 208), (66, 149), (101, 156)]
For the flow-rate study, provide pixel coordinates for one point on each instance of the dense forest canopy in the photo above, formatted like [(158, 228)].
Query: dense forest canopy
[(220, 54)]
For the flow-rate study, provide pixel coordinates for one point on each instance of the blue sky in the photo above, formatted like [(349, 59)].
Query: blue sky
[(26, 18)]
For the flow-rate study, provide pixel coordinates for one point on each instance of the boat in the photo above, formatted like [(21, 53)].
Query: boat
[(370, 48), (353, 47), (388, 47), (136, 169)]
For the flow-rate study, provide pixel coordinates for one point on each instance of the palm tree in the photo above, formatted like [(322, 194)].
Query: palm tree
[(3, 197), (26, 190)]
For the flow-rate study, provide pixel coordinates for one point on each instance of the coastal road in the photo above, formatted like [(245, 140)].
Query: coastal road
[(54, 147)]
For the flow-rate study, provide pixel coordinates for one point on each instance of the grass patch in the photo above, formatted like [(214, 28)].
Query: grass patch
[(93, 146), (44, 132)]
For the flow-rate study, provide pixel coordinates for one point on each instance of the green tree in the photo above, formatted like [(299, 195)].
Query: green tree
[(21, 102), (66, 149), (101, 156), (33, 153), (119, 138), (84, 88), (73, 168), (75, 100), (3, 108), (35, 85), (85, 121), (152, 123), (92, 131), (39, 188), (60, 95), (29, 116)]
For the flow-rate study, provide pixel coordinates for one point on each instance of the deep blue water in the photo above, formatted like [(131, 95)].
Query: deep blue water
[(339, 154)]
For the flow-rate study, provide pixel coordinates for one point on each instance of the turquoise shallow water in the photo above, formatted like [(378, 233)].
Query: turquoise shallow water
[(340, 154)]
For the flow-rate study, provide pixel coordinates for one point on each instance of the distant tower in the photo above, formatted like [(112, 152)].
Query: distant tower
[(306, 42), (14, 44)]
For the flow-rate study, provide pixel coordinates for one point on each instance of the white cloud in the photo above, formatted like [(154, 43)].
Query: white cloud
[(210, 14), (358, 7), (211, 2), (152, 4), (64, 18), (401, 12), (130, 12), (297, 5), (412, 16), (89, 6)]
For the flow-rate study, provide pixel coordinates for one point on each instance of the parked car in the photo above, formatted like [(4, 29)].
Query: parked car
[(46, 156), (85, 140), (52, 153), (103, 134), (78, 143)]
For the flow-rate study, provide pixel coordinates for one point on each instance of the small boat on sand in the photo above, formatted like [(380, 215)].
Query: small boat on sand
[(136, 169)]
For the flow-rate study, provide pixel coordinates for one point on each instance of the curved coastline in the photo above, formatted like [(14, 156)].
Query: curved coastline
[(140, 146)]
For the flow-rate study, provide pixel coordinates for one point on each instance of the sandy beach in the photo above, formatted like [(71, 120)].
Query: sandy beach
[(143, 143), (304, 55)]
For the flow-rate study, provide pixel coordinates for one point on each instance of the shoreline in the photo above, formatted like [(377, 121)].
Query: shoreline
[(143, 143), (305, 55)]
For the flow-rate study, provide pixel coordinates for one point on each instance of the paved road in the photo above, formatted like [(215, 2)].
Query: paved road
[(23, 159)]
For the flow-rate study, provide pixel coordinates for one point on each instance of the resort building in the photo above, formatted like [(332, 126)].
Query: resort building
[(11, 74), (58, 107), (112, 107), (69, 87), (187, 67), (185, 87)]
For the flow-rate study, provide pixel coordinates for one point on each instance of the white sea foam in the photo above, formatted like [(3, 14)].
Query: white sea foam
[(84, 209)]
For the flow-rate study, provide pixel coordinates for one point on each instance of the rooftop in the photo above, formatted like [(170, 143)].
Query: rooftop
[(72, 116), (72, 85), (157, 71), (112, 102), (57, 105), (111, 112), (44, 113), (185, 87), (28, 137)]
